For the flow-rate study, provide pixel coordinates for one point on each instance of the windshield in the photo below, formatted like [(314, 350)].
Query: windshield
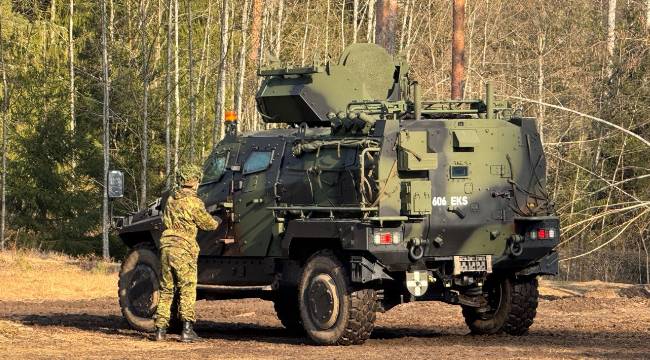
[(215, 167)]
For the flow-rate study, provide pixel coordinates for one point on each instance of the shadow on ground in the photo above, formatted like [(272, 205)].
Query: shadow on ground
[(230, 331)]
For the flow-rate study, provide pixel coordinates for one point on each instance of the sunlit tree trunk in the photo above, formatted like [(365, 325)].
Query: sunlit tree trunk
[(144, 138), (370, 30), (327, 29), (106, 133), (202, 80), (190, 57), (458, 50), (220, 103), (278, 31), (168, 102), (241, 71), (177, 95), (71, 63), (5, 119), (402, 32), (343, 25), (385, 24), (541, 110), (355, 20), (305, 35), (611, 37), (256, 28)]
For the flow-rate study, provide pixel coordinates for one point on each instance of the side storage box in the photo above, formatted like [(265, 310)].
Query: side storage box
[(413, 153), (416, 197)]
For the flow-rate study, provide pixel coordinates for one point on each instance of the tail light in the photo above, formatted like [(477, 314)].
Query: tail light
[(386, 238), (542, 234)]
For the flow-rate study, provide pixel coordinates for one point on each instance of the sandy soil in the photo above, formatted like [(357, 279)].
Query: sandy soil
[(575, 320), (570, 327)]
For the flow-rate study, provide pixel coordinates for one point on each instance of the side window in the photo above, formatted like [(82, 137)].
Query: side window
[(215, 167), (257, 161)]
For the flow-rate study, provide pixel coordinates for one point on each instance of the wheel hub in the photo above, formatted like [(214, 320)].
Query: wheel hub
[(323, 301), (141, 291)]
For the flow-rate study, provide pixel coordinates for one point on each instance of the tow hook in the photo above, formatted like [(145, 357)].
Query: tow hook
[(416, 249)]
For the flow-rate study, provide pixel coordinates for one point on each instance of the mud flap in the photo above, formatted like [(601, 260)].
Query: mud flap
[(548, 265)]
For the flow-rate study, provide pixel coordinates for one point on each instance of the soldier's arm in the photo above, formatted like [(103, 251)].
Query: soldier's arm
[(202, 218)]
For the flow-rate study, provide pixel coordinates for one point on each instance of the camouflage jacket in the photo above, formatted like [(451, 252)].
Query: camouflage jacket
[(184, 214)]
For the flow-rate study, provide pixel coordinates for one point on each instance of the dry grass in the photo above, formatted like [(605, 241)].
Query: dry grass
[(37, 276)]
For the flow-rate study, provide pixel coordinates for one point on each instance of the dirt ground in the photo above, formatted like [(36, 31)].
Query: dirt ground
[(574, 320)]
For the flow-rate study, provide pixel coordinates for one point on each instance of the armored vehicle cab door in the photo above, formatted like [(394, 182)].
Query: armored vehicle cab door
[(253, 222), (215, 192)]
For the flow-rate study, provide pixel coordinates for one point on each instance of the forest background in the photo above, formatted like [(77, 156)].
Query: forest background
[(162, 73)]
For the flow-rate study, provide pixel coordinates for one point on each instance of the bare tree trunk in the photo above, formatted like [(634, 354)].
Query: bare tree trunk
[(304, 36), (5, 115), (53, 11), (458, 50), (278, 32), (218, 130), (202, 83), (327, 29), (611, 37), (71, 63), (157, 46), (409, 33), (256, 28), (177, 95), (144, 138), (342, 25), (645, 249), (111, 25), (190, 57), (385, 24), (370, 30), (242, 62), (355, 21), (541, 110), (404, 21), (168, 102), (106, 133)]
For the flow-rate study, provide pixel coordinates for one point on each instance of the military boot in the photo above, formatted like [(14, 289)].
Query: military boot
[(188, 334), (160, 334)]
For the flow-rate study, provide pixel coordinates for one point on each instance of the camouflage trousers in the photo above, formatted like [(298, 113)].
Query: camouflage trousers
[(178, 272)]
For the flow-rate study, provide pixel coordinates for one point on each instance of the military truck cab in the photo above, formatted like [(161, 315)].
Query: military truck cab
[(366, 198)]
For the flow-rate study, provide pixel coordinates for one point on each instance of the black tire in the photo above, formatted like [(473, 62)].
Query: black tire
[(138, 287), (514, 306), (287, 309), (333, 313)]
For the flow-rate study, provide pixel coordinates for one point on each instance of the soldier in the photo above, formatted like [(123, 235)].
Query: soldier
[(184, 214)]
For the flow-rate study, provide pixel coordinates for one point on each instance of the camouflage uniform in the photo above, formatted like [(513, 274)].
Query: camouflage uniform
[(184, 214)]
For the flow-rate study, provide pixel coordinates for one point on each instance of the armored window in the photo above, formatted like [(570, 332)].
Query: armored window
[(215, 167), (459, 171), (257, 161)]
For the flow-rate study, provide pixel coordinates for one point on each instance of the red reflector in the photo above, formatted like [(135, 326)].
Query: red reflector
[(385, 238), (541, 234)]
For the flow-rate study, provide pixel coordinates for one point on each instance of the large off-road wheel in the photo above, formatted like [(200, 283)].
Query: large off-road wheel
[(138, 287), (513, 306), (332, 312), (287, 308)]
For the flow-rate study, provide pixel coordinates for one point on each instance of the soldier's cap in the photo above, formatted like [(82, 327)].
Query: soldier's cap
[(188, 173)]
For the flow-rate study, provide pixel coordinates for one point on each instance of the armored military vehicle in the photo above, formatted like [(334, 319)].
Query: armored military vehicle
[(361, 197)]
